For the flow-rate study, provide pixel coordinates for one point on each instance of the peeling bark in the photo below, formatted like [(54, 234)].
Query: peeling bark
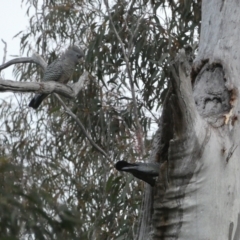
[(185, 148), (198, 191)]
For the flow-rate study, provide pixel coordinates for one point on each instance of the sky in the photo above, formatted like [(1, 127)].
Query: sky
[(13, 19)]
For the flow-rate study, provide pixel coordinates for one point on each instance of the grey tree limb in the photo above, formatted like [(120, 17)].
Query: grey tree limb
[(126, 55), (70, 90), (36, 58), (4, 50)]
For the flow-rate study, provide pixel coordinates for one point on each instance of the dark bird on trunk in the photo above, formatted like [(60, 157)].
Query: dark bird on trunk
[(144, 171), (60, 70)]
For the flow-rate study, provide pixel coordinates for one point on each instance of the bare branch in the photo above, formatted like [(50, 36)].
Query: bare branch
[(129, 71), (69, 90), (34, 59), (133, 35), (70, 113), (82, 81), (5, 51)]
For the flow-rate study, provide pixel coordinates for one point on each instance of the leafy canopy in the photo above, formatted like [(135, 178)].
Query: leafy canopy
[(54, 185)]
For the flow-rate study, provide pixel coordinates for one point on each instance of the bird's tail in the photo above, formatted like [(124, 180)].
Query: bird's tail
[(37, 100)]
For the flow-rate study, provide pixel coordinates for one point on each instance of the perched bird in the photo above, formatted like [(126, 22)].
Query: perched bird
[(144, 171), (60, 70)]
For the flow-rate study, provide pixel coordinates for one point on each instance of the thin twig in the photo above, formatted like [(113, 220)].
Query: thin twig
[(139, 128), (34, 59), (135, 32), (70, 113), (69, 90), (5, 51), (127, 15)]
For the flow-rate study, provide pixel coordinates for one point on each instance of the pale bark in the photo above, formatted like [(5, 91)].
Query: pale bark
[(198, 191), (70, 90)]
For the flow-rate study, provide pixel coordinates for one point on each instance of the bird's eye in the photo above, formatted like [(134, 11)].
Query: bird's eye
[(79, 56)]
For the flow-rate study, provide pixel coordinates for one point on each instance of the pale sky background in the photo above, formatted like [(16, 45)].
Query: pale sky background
[(13, 19)]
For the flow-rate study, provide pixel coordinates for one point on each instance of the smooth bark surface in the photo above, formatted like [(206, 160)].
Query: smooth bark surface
[(70, 90), (198, 191)]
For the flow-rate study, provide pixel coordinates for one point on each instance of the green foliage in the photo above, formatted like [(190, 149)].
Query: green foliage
[(54, 184)]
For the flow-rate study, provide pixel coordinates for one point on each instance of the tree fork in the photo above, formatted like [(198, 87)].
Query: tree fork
[(69, 90)]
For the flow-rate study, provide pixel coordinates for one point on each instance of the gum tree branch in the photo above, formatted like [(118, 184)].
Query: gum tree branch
[(35, 58), (70, 90), (129, 71), (5, 50), (70, 113)]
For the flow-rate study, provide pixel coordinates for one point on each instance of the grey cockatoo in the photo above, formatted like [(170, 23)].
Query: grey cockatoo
[(60, 70), (144, 171)]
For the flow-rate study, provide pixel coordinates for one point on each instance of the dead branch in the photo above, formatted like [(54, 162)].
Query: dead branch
[(126, 55), (69, 90), (5, 51), (34, 59)]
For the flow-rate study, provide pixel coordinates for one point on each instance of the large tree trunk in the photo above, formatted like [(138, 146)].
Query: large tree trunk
[(198, 191)]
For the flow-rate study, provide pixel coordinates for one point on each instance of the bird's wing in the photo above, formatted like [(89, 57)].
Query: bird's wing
[(145, 177), (151, 169), (53, 72)]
